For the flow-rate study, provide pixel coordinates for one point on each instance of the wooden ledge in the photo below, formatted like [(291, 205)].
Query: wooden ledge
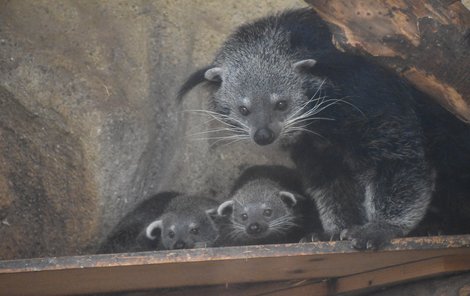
[(405, 258)]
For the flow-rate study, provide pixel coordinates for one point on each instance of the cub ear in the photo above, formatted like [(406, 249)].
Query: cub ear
[(225, 208), (158, 224), (288, 198), (304, 65), (214, 74)]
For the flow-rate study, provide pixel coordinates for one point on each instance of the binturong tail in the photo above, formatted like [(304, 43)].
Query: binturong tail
[(193, 80)]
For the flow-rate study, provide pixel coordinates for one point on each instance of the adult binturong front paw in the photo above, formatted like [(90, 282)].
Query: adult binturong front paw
[(311, 237), (371, 236), (319, 237)]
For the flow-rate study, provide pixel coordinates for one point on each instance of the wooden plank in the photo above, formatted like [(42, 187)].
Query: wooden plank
[(402, 273), (361, 282), (289, 288), (216, 266)]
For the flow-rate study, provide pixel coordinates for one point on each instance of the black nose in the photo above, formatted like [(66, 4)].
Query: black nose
[(264, 136), (253, 228), (179, 245)]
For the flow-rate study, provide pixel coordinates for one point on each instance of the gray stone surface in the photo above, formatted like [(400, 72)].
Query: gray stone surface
[(88, 122)]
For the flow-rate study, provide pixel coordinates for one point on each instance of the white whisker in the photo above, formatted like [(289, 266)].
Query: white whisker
[(217, 131), (230, 137), (231, 142), (302, 129), (224, 119), (288, 124)]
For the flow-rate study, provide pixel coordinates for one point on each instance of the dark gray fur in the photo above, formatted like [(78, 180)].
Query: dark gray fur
[(177, 212), (265, 207), (368, 149)]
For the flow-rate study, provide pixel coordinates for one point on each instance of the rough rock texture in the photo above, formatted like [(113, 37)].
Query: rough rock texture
[(41, 193), (88, 122)]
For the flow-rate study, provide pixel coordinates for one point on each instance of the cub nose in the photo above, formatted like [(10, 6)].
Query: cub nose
[(179, 245), (264, 136), (253, 228)]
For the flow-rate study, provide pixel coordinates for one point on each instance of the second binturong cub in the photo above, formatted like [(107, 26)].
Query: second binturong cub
[(266, 207)]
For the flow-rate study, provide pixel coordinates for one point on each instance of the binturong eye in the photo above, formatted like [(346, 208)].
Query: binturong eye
[(281, 106), (194, 230), (171, 234), (268, 212), (244, 216), (244, 110), (224, 110)]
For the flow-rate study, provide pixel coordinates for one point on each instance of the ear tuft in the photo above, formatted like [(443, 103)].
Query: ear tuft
[(304, 65), (214, 74), (211, 213), (158, 224), (225, 208), (288, 198)]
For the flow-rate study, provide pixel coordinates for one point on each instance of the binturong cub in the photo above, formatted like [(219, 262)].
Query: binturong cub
[(265, 207), (187, 222), (357, 133), (167, 220)]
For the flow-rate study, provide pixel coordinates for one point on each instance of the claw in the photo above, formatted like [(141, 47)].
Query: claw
[(370, 245), (355, 243), (304, 240), (200, 245), (311, 237)]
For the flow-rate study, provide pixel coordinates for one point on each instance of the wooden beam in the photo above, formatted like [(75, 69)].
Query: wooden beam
[(361, 282), (425, 41), (214, 266), (402, 273)]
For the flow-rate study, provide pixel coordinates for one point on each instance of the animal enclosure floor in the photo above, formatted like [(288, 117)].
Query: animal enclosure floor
[(322, 268)]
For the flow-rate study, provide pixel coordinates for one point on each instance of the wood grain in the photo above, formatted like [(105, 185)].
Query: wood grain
[(218, 266), (426, 42)]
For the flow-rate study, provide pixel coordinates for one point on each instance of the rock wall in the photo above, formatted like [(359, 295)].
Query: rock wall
[(88, 122)]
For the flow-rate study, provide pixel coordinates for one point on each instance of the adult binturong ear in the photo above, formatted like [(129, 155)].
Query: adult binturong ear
[(304, 65), (214, 74), (225, 208), (196, 78), (211, 213), (158, 224), (288, 198)]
